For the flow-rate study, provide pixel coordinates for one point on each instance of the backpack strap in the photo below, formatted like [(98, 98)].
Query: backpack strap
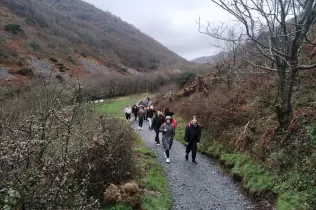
[(164, 125)]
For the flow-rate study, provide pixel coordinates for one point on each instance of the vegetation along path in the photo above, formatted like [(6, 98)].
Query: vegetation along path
[(201, 186)]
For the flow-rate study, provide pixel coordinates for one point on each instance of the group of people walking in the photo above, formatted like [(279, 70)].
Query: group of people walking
[(164, 122)]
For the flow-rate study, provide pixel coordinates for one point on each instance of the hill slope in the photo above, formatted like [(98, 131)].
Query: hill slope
[(72, 29), (211, 59)]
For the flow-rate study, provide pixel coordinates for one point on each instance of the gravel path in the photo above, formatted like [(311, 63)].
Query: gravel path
[(196, 187)]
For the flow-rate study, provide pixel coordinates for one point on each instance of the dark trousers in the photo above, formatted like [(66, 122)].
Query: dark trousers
[(157, 135), (128, 116), (192, 146), (140, 122), (135, 115)]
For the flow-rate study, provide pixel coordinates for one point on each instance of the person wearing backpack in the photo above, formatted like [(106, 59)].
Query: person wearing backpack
[(169, 113), (141, 115), (158, 120), (168, 133), (192, 136)]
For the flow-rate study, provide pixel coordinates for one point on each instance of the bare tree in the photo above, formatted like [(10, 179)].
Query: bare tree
[(228, 61), (279, 29)]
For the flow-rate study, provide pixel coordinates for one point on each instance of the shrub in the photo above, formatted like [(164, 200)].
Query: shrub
[(13, 28), (184, 78), (124, 69), (70, 59), (129, 194), (55, 154), (53, 60), (34, 45), (26, 72), (60, 78)]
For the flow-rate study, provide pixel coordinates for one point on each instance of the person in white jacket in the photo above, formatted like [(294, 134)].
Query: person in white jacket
[(128, 111)]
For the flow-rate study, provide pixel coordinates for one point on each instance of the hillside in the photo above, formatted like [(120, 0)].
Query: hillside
[(77, 37), (211, 59)]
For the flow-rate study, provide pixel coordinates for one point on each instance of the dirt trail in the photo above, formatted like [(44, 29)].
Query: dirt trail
[(195, 187)]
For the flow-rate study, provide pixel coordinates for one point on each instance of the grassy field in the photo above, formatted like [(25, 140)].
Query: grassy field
[(115, 107), (152, 176)]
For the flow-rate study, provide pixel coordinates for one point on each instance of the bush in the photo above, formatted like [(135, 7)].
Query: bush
[(55, 154), (184, 78), (54, 60), (129, 194), (26, 72), (34, 45), (124, 69), (13, 28)]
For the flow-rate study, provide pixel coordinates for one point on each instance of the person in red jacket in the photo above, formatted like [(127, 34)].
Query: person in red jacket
[(192, 136)]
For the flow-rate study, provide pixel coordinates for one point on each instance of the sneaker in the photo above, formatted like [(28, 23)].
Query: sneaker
[(158, 144), (141, 128), (138, 128), (168, 160), (165, 154), (193, 161), (187, 157)]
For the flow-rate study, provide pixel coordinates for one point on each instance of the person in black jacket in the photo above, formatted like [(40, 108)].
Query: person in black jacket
[(135, 111), (192, 136), (158, 120), (168, 112)]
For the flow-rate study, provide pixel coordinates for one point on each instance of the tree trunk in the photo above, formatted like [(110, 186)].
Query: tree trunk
[(284, 107)]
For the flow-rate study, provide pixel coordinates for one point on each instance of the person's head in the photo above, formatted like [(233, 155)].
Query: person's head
[(167, 110), (141, 107), (168, 119), (127, 106), (194, 119)]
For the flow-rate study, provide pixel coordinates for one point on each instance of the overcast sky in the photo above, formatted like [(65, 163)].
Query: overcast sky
[(171, 22)]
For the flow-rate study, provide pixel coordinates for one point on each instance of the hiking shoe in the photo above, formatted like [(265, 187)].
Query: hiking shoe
[(168, 160), (187, 157), (193, 161)]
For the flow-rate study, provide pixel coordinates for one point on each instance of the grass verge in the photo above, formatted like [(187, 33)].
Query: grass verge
[(151, 175)]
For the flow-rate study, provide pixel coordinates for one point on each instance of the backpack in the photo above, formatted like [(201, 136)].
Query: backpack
[(174, 123), (164, 125)]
